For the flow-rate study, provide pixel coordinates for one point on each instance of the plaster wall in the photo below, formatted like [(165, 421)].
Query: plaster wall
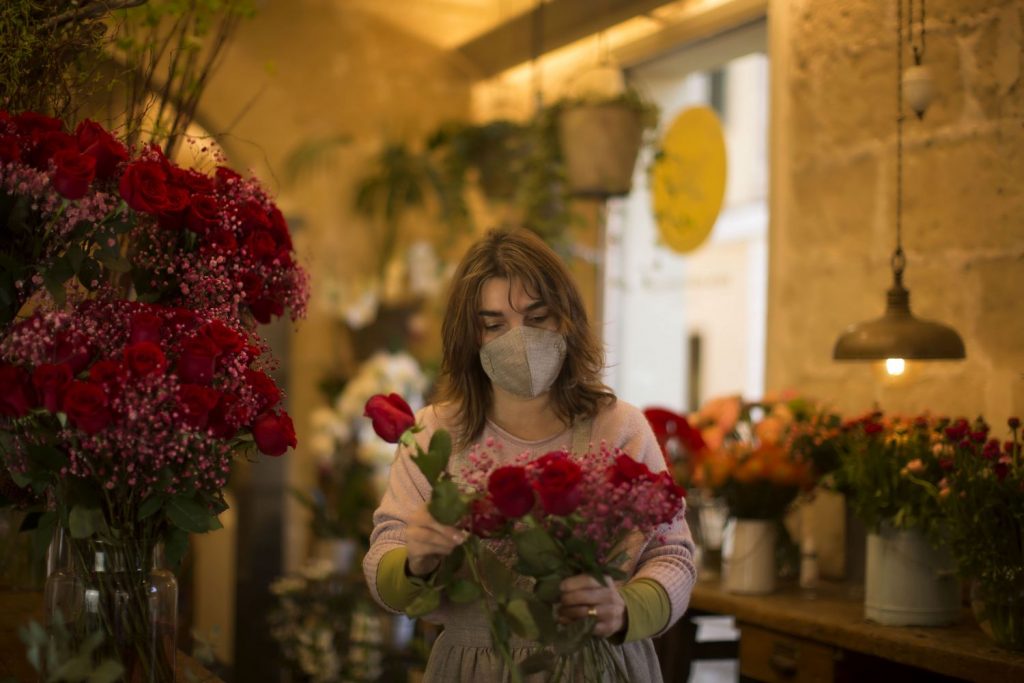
[(833, 148)]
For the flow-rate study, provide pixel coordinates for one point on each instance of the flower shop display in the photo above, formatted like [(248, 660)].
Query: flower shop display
[(752, 466), (532, 524), (329, 629), (910, 575), (130, 372), (981, 496)]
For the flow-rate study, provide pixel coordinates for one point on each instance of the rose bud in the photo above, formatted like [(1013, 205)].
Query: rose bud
[(274, 433), (391, 416)]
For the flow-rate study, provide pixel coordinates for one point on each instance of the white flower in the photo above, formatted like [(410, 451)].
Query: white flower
[(317, 570), (287, 584)]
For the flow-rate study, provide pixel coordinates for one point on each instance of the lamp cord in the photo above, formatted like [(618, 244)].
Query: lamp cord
[(899, 260)]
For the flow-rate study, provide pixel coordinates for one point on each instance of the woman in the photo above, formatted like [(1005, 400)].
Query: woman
[(521, 371)]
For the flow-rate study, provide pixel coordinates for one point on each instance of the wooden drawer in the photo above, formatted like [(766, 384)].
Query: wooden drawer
[(776, 658)]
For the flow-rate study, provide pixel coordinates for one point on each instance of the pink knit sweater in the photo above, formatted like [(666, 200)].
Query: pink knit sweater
[(666, 559)]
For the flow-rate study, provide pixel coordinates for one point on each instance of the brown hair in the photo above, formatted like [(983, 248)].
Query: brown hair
[(578, 391)]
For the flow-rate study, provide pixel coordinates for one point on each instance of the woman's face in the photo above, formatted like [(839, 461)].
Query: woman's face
[(505, 304)]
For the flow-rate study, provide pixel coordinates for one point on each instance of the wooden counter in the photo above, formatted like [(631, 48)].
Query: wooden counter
[(831, 619), (18, 608)]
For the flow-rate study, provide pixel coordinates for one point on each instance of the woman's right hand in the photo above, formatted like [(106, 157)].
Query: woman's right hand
[(427, 541)]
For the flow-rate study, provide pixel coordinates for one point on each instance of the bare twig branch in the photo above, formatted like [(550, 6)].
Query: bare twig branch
[(93, 10)]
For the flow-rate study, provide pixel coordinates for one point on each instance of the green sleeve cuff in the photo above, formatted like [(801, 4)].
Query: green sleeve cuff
[(393, 585), (647, 608)]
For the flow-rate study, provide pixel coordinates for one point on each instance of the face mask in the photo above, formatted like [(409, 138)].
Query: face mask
[(524, 361)]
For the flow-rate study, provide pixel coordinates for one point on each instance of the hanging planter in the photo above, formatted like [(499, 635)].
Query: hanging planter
[(600, 142)]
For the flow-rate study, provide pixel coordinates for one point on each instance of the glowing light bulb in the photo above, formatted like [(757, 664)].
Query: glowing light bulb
[(895, 366)]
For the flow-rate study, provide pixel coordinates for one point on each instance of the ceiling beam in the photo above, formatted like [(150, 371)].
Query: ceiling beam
[(547, 27)]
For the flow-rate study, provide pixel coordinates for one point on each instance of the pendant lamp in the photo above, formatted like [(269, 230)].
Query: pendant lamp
[(899, 334)]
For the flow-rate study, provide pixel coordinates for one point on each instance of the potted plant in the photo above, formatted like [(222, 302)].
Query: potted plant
[(982, 498), (600, 139), (910, 574)]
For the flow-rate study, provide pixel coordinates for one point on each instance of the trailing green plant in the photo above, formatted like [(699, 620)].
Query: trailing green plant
[(50, 52)]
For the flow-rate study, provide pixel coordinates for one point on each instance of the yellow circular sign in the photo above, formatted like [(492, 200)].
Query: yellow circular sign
[(688, 178)]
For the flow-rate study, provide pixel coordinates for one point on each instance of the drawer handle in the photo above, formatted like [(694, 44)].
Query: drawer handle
[(783, 660)]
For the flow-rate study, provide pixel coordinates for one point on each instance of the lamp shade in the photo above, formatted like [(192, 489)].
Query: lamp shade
[(899, 334)]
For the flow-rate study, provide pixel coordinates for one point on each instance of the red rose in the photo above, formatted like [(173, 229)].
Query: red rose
[(196, 403), (262, 245), (510, 490), (253, 218), (266, 389), (203, 214), (556, 480), (226, 178), (198, 360), (484, 517), (626, 469), (50, 380), (144, 186), (10, 148), (225, 338), (32, 124), (194, 181), (225, 419), (48, 144), (274, 433), (107, 373), (252, 286), (265, 309), (72, 349), (183, 320), (145, 327), (220, 241), (145, 358), (87, 407), (279, 227), (73, 173), (391, 416), (172, 213), (97, 143), (16, 395)]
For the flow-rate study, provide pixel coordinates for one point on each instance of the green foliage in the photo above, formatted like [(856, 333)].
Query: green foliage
[(54, 654), (889, 473), (982, 499), (49, 54)]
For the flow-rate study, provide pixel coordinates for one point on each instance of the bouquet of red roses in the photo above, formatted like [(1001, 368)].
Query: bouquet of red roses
[(79, 206), (130, 375), (561, 514)]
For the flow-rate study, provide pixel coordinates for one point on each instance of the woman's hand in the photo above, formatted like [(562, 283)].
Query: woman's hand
[(583, 596), (427, 541)]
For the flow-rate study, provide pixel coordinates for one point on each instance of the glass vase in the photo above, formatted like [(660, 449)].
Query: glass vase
[(121, 591), (1000, 614)]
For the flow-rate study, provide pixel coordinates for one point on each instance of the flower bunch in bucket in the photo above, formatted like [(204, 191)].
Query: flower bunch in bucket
[(981, 496), (532, 524)]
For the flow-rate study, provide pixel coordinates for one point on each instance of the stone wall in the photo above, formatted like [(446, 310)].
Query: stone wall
[(833, 193)]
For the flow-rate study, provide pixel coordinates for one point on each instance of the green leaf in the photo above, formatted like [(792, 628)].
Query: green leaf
[(42, 536), (84, 522), (463, 590), (521, 620), (548, 588), (188, 515), (47, 457), (543, 614), (500, 579), (539, 555), (435, 460), (30, 522), (55, 277), (88, 273), (424, 603), (150, 507), (175, 545), (107, 672), (446, 503)]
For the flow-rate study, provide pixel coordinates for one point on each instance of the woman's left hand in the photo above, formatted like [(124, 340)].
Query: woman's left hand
[(583, 596)]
